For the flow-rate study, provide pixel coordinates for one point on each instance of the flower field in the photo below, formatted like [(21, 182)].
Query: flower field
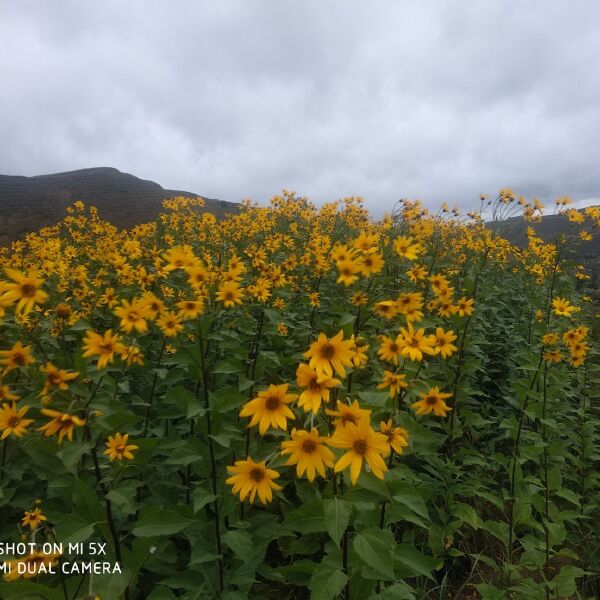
[(298, 402)]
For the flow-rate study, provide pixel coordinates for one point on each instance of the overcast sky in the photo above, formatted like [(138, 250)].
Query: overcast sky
[(383, 99)]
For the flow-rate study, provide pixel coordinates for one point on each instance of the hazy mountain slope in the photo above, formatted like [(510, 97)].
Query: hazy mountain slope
[(28, 203)]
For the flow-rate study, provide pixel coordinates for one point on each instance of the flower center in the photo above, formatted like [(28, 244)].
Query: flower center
[(28, 290), (13, 422), (348, 418), (360, 447), (327, 351), (19, 359), (272, 403), (229, 296), (394, 347), (257, 474), (431, 400), (314, 385), (309, 446)]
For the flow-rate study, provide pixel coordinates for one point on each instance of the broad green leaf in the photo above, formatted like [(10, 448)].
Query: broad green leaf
[(306, 519), (337, 515), (240, 542), (375, 547), (157, 521), (327, 582)]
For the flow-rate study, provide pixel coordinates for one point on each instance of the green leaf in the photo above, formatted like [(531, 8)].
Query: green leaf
[(419, 563), (201, 497), (327, 582), (465, 513), (337, 515), (375, 547), (412, 499), (398, 591), (306, 519), (158, 521), (73, 529), (240, 542)]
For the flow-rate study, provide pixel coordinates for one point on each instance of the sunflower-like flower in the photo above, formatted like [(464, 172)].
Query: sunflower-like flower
[(104, 346), (406, 247), (414, 344), (25, 290), (362, 444), (251, 478), (443, 342), (230, 294), (394, 381), (118, 448), (397, 437), (432, 401), (389, 348), (61, 423), (15, 357), (327, 354), (133, 315), (56, 378), (348, 413), (317, 389), (12, 421), (269, 408), (33, 518), (308, 452), (30, 566), (563, 308)]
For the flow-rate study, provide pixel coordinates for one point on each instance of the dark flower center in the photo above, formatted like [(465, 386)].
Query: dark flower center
[(309, 446), (327, 351), (257, 474), (28, 290), (431, 400), (360, 447), (13, 422), (272, 403)]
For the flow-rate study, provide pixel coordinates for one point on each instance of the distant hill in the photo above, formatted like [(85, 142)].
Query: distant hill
[(551, 226), (29, 203)]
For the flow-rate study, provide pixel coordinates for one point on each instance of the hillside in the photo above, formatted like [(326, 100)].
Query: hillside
[(551, 226), (28, 203)]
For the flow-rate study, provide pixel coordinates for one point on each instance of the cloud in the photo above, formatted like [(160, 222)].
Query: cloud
[(236, 99)]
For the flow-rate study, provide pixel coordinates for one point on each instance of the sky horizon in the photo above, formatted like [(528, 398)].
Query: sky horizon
[(243, 99)]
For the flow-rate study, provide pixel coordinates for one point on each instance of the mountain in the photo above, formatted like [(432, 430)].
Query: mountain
[(514, 229), (28, 203)]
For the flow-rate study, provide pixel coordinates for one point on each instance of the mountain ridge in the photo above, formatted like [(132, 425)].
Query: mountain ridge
[(28, 203)]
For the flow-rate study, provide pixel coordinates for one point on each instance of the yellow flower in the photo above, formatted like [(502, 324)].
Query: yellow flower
[(170, 323), (389, 349), (56, 377), (33, 518), (372, 263), (443, 342), (327, 354), (282, 329), (394, 381), (313, 298), (406, 247), (6, 394), (317, 388), (397, 437), (348, 269), (133, 315), (105, 346), (190, 309), (348, 414), (464, 307), (269, 408), (12, 421), (363, 444), (386, 308), (414, 344), (250, 478), (15, 357), (553, 356), (308, 452), (230, 294), (118, 448), (25, 289), (35, 563), (61, 423), (563, 307), (432, 401)]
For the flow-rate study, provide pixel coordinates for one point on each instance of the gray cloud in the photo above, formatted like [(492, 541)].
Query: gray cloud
[(236, 99)]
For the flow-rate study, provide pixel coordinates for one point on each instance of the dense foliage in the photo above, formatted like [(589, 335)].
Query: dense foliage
[(297, 402)]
